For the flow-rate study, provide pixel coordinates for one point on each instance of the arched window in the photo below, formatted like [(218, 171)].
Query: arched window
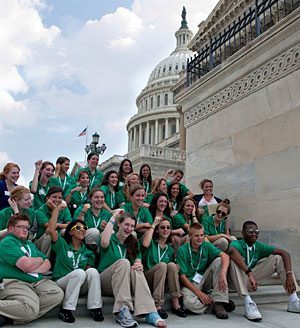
[(166, 99), (151, 102), (158, 101), (146, 104)]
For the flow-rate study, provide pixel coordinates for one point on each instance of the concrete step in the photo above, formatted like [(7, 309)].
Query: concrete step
[(267, 294)]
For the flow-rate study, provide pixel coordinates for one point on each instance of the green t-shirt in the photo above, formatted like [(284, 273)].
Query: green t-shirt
[(109, 197), (39, 197), (114, 252), (183, 189), (43, 216), (258, 251), (210, 229), (121, 183), (179, 221), (95, 178), (79, 198), (91, 220), (148, 199), (121, 197), (6, 213), (155, 254), (198, 262), (67, 184), (146, 185), (143, 215), (69, 259), (12, 249)]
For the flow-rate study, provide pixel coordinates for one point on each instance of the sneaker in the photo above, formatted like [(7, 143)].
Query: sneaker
[(294, 306), (124, 318), (66, 316), (251, 312), (219, 311), (97, 314)]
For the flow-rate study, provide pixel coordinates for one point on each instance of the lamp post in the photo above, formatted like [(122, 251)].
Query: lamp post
[(93, 146)]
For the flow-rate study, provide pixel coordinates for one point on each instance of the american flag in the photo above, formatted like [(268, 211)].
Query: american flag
[(83, 133)]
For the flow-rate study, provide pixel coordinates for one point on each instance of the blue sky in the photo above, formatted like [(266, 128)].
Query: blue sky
[(66, 64)]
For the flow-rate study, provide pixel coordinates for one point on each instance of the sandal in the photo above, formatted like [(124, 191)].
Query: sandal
[(153, 318)]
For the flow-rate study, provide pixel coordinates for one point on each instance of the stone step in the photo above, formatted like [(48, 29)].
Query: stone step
[(264, 295)]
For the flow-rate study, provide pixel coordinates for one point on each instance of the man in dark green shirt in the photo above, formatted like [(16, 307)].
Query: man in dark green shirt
[(203, 267), (24, 294), (252, 262)]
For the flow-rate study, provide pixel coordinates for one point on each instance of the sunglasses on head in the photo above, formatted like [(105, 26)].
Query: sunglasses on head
[(252, 231), (79, 227), (220, 212)]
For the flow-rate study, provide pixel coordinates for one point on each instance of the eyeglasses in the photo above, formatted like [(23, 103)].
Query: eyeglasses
[(220, 212), (165, 227), (252, 231), (79, 227), (23, 227)]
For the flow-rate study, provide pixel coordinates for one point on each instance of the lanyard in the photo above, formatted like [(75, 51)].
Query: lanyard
[(146, 185), (96, 223), (160, 257), (248, 256), (112, 199), (82, 195), (192, 258), (63, 185), (123, 256), (216, 229), (27, 250), (92, 181), (76, 264), (175, 205)]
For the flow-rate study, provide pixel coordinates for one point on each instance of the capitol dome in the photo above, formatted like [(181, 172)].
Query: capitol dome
[(157, 120)]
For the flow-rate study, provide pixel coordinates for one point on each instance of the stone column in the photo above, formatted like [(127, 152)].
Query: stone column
[(140, 134), (182, 132), (129, 140), (177, 124), (147, 133), (134, 138), (156, 132), (166, 128)]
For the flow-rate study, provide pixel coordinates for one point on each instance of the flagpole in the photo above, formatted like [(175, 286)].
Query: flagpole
[(85, 142)]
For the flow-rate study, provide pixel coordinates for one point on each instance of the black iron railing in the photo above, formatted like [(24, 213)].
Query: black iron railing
[(237, 35)]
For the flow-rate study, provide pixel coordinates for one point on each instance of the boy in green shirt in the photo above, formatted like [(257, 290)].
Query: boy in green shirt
[(203, 267), (26, 295), (177, 177), (253, 262)]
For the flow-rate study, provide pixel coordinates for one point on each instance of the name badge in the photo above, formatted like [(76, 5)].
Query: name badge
[(42, 192), (197, 278), (6, 193)]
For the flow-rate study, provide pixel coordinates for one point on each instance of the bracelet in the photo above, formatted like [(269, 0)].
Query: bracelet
[(289, 272), (111, 221), (151, 228), (248, 271)]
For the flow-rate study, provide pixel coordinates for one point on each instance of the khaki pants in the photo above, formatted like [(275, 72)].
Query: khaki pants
[(223, 243), (23, 302), (81, 282), (161, 275), (44, 243), (117, 280), (239, 281), (92, 236), (209, 281)]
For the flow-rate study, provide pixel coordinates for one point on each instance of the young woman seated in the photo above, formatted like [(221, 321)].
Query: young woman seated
[(125, 169), (175, 197), (123, 196), (146, 177), (159, 185), (109, 185), (121, 271)]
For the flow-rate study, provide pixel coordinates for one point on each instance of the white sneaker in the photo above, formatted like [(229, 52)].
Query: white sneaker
[(294, 306), (251, 312)]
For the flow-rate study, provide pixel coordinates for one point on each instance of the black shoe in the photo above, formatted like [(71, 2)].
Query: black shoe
[(5, 320), (180, 312), (219, 311), (229, 307), (162, 313), (66, 316), (97, 314)]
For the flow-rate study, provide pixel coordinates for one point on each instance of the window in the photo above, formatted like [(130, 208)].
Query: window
[(150, 133), (173, 129), (166, 99), (183, 66), (158, 101), (164, 70), (170, 68), (183, 38), (164, 132), (151, 102), (146, 104)]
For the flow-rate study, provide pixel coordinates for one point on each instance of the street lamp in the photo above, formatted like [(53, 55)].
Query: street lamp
[(92, 147)]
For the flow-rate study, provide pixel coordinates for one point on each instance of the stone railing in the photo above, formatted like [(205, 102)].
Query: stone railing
[(161, 153), (112, 162)]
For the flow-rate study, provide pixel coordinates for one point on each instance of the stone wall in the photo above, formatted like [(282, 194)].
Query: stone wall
[(242, 124)]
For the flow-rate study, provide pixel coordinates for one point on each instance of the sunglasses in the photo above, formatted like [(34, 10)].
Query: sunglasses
[(252, 231), (220, 212), (165, 227), (79, 227)]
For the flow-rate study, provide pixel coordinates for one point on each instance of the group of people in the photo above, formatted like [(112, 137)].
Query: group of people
[(120, 233)]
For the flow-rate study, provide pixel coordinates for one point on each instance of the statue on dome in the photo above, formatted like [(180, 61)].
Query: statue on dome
[(183, 15)]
